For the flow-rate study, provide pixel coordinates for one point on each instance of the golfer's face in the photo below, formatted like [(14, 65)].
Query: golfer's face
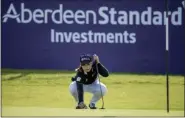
[(87, 67)]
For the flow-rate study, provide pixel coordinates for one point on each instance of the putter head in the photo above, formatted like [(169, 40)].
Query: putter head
[(102, 108)]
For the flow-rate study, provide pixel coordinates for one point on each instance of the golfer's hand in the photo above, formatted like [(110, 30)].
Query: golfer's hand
[(96, 58)]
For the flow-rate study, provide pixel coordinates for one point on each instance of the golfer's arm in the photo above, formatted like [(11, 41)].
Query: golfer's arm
[(80, 92), (102, 70)]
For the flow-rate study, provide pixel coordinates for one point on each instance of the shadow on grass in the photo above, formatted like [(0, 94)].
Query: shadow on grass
[(33, 71), (14, 77), (13, 74)]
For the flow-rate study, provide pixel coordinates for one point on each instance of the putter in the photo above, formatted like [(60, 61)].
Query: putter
[(100, 87)]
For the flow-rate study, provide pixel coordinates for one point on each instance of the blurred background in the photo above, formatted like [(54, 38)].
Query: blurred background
[(128, 36)]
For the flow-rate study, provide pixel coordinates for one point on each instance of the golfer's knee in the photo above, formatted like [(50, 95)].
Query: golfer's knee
[(73, 89), (102, 91)]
